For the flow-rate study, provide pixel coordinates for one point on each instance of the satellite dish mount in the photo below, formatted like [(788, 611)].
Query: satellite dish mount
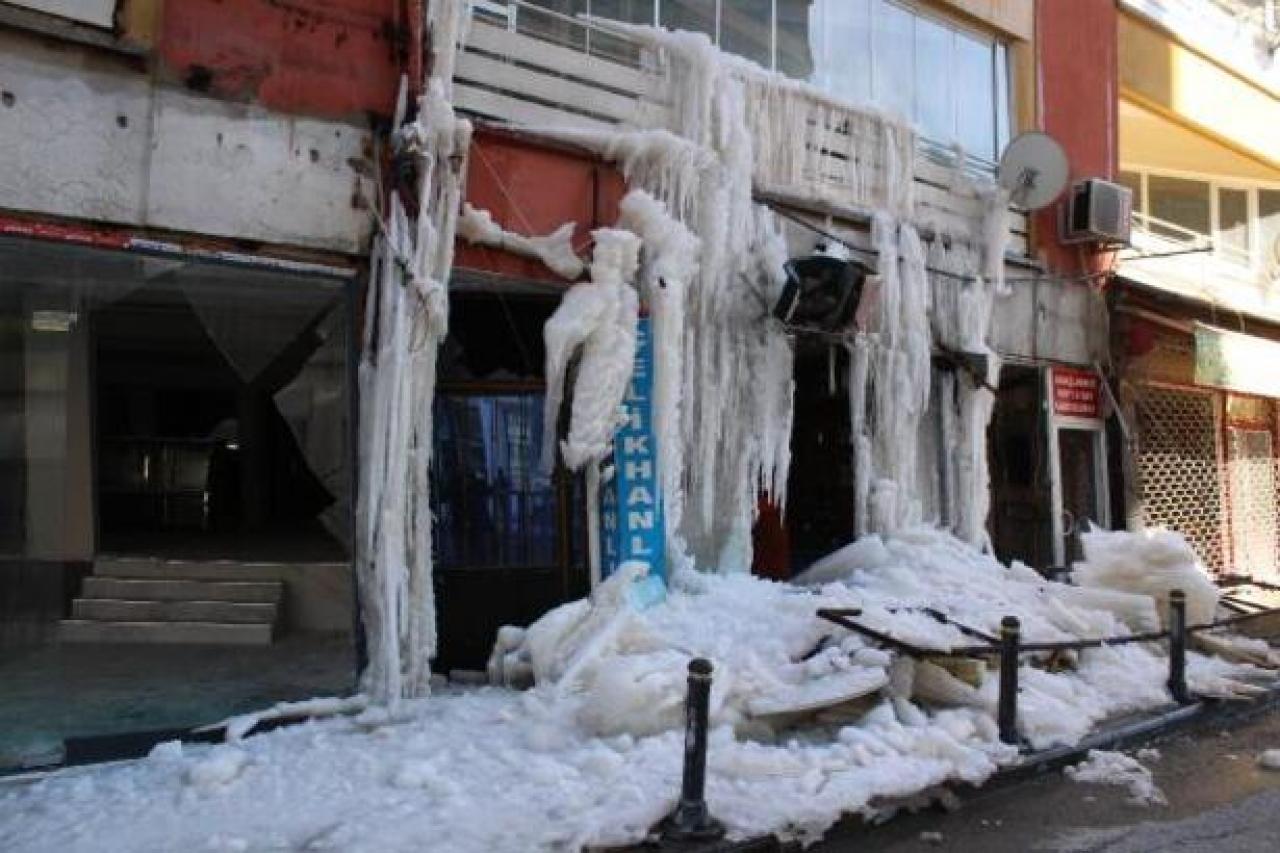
[(1033, 170)]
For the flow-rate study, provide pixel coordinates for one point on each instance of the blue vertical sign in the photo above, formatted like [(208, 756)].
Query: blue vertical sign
[(631, 502)]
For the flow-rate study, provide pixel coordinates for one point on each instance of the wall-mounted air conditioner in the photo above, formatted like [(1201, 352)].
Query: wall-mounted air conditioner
[(1097, 211)]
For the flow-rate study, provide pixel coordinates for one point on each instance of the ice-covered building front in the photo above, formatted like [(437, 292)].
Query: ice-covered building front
[(189, 280), (637, 178)]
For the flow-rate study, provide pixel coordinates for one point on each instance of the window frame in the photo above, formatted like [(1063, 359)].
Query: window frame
[(1252, 188), (1001, 69)]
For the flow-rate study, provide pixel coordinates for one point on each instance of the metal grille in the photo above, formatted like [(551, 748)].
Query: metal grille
[(1253, 502), (1179, 483)]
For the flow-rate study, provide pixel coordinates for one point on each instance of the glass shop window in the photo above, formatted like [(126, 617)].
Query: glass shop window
[(1233, 224), (746, 29), (953, 83), (1180, 208), (1269, 228), (1133, 180), (697, 16), (496, 505)]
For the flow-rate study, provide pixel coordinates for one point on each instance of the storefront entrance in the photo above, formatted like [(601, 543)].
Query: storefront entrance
[(174, 495), (510, 536)]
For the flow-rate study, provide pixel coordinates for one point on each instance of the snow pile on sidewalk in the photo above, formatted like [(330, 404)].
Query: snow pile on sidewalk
[(1116, 768), (809, 722), (1151, 562)]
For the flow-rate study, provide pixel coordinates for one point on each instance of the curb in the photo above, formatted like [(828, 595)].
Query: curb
[(1147, 729)]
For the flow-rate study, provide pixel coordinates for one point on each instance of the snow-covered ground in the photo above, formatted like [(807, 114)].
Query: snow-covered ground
[(809, 721)]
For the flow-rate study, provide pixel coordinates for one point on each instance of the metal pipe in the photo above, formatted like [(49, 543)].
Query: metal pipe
[(691, 820), (1178, 647), (1007, 710)]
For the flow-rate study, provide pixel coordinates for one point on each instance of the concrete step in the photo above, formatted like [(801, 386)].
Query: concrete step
[(263, 592), (198, 570), (164, 633), (119, 610)]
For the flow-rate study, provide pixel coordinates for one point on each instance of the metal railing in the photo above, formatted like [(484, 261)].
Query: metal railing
[(1009, 648)]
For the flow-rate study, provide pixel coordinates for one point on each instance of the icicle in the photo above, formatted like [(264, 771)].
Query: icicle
[(407, 318)]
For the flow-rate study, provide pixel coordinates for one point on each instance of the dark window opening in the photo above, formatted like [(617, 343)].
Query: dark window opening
[(820, 497), (1021, 523)]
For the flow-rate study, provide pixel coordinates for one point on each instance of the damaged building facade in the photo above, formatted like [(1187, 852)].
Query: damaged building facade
[(196, 261)]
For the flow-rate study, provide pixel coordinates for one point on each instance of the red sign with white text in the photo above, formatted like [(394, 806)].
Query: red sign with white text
[(1076, 393)]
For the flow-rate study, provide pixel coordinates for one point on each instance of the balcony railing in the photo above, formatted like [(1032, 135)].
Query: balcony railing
[(1189, 263)]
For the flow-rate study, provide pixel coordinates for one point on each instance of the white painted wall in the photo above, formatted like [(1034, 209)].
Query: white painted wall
[(87, 136)]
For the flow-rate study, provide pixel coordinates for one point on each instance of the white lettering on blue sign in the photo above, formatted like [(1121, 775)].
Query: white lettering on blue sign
[(631, 508)]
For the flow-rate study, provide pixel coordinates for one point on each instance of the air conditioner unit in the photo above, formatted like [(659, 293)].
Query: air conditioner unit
[(1097, 211)]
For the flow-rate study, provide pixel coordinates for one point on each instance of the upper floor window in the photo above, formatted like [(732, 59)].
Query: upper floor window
[(1240, 220), (951, 81)]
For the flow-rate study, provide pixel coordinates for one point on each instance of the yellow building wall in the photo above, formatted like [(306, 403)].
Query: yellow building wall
[(1161, 75)]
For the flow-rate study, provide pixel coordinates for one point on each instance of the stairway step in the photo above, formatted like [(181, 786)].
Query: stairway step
[(266, 592), (199, 570), (164, 633), (120, 610)]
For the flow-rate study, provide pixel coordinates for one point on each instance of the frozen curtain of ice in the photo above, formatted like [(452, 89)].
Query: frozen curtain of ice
[(407, 315), (707, 260)]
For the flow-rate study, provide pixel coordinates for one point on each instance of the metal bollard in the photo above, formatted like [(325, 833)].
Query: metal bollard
[(691, 821), (1007, 710), (1178, 647)]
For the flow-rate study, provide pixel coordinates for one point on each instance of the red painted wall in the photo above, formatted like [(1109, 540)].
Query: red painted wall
[(326, 58), (1076, 61), (532, 189)]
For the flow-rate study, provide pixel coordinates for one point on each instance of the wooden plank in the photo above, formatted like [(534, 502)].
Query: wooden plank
[(515, 111), (496, 74), (562, 60)]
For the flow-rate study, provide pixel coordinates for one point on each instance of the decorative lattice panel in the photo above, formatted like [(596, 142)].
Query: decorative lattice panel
[(1251, 466), (1178, 469)]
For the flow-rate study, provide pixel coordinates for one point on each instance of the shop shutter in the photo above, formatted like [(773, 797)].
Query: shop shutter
[(1180, 486)]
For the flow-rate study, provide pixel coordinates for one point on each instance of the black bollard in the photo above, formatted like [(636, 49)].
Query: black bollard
[(1178, 647), (691, 821), (1007, 710)]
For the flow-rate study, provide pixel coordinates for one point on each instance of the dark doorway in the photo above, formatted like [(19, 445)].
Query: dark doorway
[(510, 536), (1021, 520), (820, 498), (194, 458)]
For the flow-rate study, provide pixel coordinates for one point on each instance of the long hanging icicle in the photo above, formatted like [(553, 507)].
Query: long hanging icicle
[(407, 317)]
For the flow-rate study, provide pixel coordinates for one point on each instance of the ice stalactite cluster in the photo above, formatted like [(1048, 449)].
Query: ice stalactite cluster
[(969, 281), (407, 316), (889, 384)]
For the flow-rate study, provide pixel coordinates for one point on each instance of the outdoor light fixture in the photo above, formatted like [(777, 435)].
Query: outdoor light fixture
[(822, 291)]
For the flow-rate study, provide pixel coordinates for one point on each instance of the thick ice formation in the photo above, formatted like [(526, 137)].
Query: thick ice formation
[(555, 250), (1151, 562), (615, 664), (406, 318), (601, 318)]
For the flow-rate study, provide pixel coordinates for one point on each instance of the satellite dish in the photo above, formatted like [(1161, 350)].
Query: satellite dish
[(1033, 169)]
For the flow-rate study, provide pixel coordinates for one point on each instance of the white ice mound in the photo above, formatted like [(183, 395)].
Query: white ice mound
[(1149, 562), (617, 669)]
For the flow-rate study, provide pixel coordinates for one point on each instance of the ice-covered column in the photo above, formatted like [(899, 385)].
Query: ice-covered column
[(407, 316)]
